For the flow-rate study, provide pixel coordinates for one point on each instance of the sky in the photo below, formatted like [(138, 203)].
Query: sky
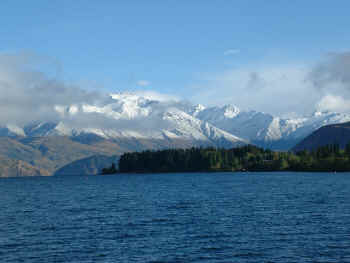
[(282, 57)]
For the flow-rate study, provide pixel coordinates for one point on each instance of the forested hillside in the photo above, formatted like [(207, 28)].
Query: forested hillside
[(246, 158)]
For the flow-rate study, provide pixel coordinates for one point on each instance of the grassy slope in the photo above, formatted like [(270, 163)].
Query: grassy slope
[(12, 168), (47, 153)]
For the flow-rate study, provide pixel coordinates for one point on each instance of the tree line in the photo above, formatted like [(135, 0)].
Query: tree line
[(246, 158)]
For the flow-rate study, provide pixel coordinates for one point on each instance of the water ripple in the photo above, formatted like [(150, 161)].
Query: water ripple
[(228, 217)]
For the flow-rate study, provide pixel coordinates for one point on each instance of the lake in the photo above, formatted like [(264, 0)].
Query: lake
[(197, 217)]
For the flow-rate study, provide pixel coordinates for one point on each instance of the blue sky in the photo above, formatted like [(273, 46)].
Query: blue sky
[(174, 47)]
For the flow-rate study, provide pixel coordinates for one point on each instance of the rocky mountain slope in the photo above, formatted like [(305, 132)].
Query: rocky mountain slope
[(44, 155)]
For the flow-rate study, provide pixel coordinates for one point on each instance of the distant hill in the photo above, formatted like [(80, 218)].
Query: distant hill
[(45, 155), (329, 134), (88, 166), (13, 168)]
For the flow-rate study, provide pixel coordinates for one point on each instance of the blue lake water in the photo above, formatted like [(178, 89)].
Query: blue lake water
[(216, 217)]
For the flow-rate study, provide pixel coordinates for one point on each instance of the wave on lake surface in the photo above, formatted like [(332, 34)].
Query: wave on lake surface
[(199, 217)]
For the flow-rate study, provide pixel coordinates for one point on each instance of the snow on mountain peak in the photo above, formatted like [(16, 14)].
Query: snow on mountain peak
[(129, 115), (143, 95), (124, 96), (133, 115), (196, 109), (231, 111), (190, 127), (319, 113)]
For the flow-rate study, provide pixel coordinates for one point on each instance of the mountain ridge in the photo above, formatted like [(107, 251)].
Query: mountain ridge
[(129, 115), (130, 122)]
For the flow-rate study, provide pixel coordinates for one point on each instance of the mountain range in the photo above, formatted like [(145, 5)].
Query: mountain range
[(132, 122)]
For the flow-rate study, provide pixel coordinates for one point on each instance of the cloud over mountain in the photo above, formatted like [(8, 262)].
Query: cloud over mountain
[(332, 73), (28, 94), (274, 89), (281, 89), (332, 78)]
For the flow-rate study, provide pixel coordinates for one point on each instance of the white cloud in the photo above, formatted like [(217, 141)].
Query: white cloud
[(281, 89), (275, 89), (27, 94), (154, 95), (232, 52), (334, 103), (143, 83)]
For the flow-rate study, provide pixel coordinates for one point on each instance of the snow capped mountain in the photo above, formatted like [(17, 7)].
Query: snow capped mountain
[(248, 125), (266, 130), (143, 117), (195, 110), (188, 126), (130, 116), (317, 120), (215, 113)]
